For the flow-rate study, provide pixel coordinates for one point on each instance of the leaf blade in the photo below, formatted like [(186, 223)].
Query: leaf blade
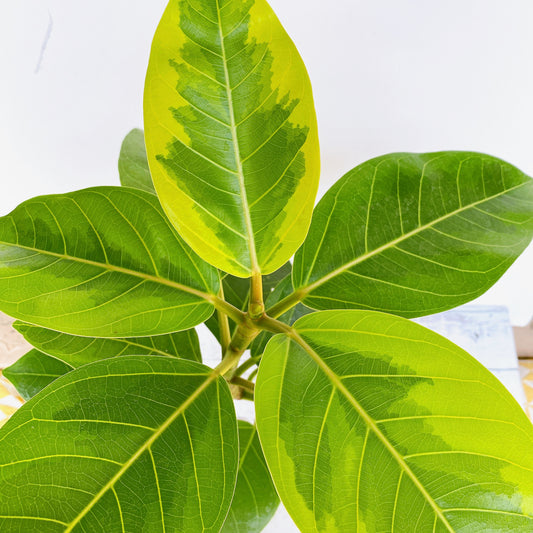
[(134, 438), (33, 372), (77, 351), (389, 421), (130, 275), (133, 164), (61, 353), (254, 485), (427, 232), (227, 96)]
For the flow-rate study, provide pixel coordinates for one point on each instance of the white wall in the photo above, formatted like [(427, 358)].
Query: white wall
[(388, 75)]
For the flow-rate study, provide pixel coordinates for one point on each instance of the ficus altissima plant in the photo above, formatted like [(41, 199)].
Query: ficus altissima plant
[(365, 421)]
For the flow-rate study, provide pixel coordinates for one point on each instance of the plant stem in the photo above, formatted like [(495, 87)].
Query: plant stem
[(228, 362), (287, 303), (246, 395), (256, 307), (274, 326), (246, 331), (221, 305), (244, 334), (243, 383), (246, 365), (223, 325)]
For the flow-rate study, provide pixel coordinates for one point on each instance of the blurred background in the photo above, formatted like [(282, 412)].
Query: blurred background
[(388, 75)]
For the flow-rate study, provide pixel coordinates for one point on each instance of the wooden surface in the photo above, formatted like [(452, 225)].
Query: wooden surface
[(12, 345), (526, 369)]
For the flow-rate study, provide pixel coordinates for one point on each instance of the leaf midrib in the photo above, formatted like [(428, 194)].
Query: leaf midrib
[(107, 266), (391, 244), (236, 149), (339, 385)]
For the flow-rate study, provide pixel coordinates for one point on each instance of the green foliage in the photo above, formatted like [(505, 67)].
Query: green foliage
[(101, 262), (426, 233), (393, 393), (133, 163), (77, 351), (227, 96), (34, 371), (129, 444), (255, 500), (368, 422), (60, 353)]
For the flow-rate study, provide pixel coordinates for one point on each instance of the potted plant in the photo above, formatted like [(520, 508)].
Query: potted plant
[(365, 421)]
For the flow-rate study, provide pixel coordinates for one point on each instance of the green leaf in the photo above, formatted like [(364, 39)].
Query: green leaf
[(34, 371), (370, 422), (132, 444), (60, 353), (255, 500), (415, 234), (237, 293), (103, 262), (133, 164), (231, 133), (284, 289), (271, 281), (78, 351)]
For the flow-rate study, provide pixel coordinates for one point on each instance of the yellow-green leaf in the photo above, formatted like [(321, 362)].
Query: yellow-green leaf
[(231, 133), (34, 371), (370, 422), (255, 500), (77, 351)]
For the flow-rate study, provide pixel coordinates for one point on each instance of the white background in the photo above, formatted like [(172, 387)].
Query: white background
[(388, 75)]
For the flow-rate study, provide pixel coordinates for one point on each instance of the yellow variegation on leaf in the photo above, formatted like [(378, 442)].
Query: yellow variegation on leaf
[(231, 133)]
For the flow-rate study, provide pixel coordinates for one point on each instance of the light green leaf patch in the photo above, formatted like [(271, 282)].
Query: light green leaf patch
[(370, 422), (231, 133), (133, 163)]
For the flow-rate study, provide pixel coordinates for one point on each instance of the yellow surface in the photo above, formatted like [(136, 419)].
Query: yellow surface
[(526, 372), (9, 401)]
